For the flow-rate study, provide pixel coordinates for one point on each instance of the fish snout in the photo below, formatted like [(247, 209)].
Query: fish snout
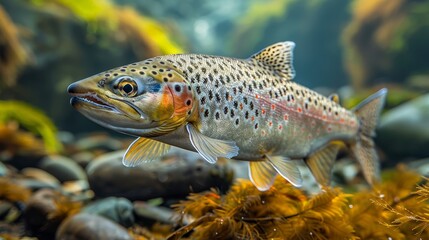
[(76, 88)]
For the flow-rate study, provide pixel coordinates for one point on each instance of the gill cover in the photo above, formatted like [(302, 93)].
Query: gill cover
[(182, 101)]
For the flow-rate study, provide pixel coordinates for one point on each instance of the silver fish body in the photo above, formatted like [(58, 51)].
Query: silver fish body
[(245, 109), (246, 102)]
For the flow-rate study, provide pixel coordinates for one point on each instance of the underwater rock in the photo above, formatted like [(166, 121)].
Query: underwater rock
[(35, 184), (421, 166), (145, 211), (9, 212), (178, 174), (39, 207), (240, 168), (64, 169), (3, 170), (24, 161), (99, 142), (345, 171), (119, 210), (404, 132), (40, 175), (77, 187), (83, 158), (90, 227), (66, 137)]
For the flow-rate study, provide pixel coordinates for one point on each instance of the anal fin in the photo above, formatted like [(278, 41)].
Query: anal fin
[(287, 169), (364, 152), (144, 150), (322, 162), (262, 174), (209, 148)]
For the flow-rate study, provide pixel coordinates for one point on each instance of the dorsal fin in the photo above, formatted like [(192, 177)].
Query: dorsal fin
[(279, 57)]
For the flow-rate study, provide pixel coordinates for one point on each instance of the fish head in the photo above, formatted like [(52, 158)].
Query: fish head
[(140, 99)]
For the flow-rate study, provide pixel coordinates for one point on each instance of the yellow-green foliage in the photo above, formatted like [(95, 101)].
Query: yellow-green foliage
[(122, 22), (33, 120), (396, 209), (87, 10)]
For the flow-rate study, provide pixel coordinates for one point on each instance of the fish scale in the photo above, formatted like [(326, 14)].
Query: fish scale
[(244, 109), (270, 106)]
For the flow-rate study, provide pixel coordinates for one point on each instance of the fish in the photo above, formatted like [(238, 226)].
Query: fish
[(242, 109)]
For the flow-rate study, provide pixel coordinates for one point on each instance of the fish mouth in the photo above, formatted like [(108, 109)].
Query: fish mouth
[(92, 100)]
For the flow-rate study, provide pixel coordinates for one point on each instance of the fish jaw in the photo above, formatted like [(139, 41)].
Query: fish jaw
[(87, 95), (91, 101), (107, 110)]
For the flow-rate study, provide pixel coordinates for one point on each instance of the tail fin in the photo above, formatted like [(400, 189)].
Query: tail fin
[(363, 149)]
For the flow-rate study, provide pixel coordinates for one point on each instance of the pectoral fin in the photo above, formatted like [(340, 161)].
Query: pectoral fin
[(322, 162), (209, 148), (287, 169), (144, 150), (262, 174)]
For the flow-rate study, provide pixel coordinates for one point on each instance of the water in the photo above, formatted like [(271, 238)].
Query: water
[(352, 48)]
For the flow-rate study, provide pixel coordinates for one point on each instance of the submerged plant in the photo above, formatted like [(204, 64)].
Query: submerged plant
[(395, 209), (13, 192), (404, 205), (14, 141), (124, 23), (283, 212), (31, 119), (64, 207), (157, 232), (386, 39)]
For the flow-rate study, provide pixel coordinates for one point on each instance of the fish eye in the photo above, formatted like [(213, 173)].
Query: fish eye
[(127, 87)]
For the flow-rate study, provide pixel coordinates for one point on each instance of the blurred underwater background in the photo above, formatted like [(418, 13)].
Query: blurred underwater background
[(61, 175)]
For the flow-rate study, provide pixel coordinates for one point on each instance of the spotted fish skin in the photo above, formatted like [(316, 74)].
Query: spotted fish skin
[(245, 109), (245, 101)]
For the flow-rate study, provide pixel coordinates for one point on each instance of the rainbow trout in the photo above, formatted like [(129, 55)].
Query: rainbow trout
[(243, 109)]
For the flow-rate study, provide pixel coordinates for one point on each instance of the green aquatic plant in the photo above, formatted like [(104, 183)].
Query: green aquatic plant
[(124, 23), (395, 209), (33, 120)]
